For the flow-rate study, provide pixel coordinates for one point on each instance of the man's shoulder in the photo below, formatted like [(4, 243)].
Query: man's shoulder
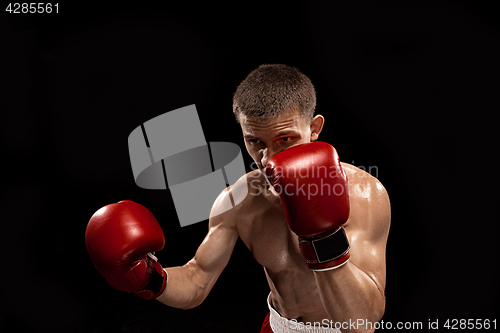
[(368, 197), (362, 179)]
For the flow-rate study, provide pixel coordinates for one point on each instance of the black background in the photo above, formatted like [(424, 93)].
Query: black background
[(409, 89)]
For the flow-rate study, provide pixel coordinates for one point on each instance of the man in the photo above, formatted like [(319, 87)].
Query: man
[(319, 227)]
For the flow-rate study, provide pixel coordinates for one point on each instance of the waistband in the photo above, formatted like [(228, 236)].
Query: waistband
[(284, 325)]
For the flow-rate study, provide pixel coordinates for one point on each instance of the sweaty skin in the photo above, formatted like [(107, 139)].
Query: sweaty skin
[(355, 290)]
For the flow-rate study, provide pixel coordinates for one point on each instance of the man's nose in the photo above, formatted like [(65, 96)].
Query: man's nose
[(266, 156)]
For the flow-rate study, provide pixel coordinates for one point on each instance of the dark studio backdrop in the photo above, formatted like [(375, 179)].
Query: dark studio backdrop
[(408, 89)]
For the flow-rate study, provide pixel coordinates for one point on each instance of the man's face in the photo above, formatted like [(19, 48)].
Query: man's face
[(265, 139)]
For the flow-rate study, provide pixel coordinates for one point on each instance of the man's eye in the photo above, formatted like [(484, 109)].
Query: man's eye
[(254, 141), (286, 139)]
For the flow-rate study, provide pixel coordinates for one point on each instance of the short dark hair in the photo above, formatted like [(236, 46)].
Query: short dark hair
[(272, 89)]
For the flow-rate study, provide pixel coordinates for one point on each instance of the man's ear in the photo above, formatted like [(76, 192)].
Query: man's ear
[(316, 126)]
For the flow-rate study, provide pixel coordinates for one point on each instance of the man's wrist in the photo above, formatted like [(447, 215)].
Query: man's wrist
[(157, 281), (325, 251)]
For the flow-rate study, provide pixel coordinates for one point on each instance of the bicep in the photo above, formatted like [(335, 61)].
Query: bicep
[(214, 252), (189, 284)]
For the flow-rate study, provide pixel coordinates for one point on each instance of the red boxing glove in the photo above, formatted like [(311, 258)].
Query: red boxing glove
[(315, 197), (120, 238)]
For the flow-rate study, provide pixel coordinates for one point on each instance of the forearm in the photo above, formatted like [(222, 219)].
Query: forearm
[(349, 294), (185, 288)]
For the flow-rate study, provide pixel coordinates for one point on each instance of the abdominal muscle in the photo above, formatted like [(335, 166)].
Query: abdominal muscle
[(263, 228), (294, 294)]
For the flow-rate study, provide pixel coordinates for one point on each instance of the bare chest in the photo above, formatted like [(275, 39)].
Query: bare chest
[(266, 234), (276, 248), (273, 245)]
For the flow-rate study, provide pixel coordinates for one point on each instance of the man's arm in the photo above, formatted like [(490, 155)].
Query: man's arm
[(189, 285), (356, 290), (333, 225)]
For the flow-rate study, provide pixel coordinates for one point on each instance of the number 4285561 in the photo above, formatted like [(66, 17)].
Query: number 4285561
[(32, 7)]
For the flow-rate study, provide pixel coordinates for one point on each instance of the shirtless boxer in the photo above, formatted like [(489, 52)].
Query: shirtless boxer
[(323, 253)]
